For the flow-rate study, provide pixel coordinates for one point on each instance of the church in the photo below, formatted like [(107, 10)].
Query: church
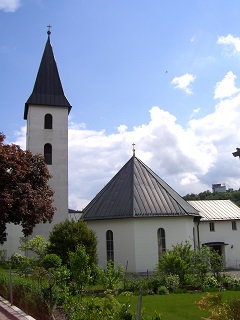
[(136, 216)]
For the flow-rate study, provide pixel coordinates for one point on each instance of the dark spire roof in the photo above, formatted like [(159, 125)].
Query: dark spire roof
[(48, 88), (136, 191)]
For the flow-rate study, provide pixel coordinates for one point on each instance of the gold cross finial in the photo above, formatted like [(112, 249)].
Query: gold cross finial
[(133, 149)]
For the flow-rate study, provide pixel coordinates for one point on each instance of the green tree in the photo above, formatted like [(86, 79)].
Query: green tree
[(68, 235), (176, 261), (80, 267), (191, 264), (37, 245), (25, 196), (234, 196)]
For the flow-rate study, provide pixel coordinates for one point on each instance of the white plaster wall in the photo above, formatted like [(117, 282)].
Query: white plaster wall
[(123, 240), (177, 230), (223, 233), (13, 239), (37, 137), (135, 240)]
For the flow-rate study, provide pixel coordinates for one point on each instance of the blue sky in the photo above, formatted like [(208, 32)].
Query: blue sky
[(162, 74)]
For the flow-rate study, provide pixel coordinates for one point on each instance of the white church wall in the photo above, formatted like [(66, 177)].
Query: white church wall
[(177, 230), (135, 240), (223, 233), (123, 239), (13, 239)]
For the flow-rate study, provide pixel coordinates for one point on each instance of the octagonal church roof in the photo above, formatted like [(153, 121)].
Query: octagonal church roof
[(136, 191)]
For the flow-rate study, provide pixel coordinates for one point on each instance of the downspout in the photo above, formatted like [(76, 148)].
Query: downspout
[(198, 219)]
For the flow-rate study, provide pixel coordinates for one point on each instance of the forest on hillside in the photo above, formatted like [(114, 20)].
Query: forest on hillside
[(234, 196)]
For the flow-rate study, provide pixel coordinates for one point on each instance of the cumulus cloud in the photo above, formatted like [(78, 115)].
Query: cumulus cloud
[(231, 43), (184, 82), (226, 87), (9, 5), (188, 158)]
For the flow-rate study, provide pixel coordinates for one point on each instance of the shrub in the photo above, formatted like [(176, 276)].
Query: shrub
[(26, 295), (210, 283), (113, 277), (51, 261), (16, 260), (218, 309), (176, 261), (172, 282), (106, 308), (231, 282), (162, 290)]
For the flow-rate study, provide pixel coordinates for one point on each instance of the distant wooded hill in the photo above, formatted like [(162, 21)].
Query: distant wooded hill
[(234, 196)]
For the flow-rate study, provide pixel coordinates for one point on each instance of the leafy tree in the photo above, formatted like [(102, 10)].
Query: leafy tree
[(190, 265), (38, 245), (176, 261), (234, 196), (25, 196), (51, 261), (80, 267), (68, 235), (112, 278)]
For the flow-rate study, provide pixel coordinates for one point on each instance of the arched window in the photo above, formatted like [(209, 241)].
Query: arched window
[(48, 153), (161, 241), (110, 248), (48, 121)]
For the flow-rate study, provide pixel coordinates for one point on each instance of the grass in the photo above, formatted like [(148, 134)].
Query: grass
[(173, 306)]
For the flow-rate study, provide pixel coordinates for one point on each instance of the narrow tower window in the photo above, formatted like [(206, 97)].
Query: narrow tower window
[(161, 241), (48, 121), (110, 248), (48, 153)]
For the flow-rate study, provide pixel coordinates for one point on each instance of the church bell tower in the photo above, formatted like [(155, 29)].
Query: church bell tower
[(46, 112)]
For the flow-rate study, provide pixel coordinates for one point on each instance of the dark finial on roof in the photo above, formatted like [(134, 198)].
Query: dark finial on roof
[(133, 149), (49, 30)]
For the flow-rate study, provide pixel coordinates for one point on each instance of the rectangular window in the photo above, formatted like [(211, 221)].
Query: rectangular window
[(234, 225), (211, 226)]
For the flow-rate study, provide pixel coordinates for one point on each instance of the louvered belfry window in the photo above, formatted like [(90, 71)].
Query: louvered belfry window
[(48, 120), (110, 247), (48, 153)]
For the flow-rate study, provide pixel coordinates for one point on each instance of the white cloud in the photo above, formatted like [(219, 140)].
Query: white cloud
[(184, 82), (232, 43), (188, 158), (10, 5), (226, 87)]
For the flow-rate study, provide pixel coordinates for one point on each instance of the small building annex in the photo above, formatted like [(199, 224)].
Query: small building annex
[(219, 228)]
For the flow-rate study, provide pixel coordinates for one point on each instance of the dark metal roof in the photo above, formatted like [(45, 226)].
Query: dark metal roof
[(136, 191), (48, 87)]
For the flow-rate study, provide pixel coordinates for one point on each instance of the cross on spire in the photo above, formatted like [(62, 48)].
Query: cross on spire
[(133, 145), (49, 30)]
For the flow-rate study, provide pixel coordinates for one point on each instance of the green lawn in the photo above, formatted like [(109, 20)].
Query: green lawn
[(173, 306)]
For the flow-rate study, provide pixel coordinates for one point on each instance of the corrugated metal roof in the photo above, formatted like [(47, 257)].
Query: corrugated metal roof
[(136, 191), (48, 87), (216, 209)]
